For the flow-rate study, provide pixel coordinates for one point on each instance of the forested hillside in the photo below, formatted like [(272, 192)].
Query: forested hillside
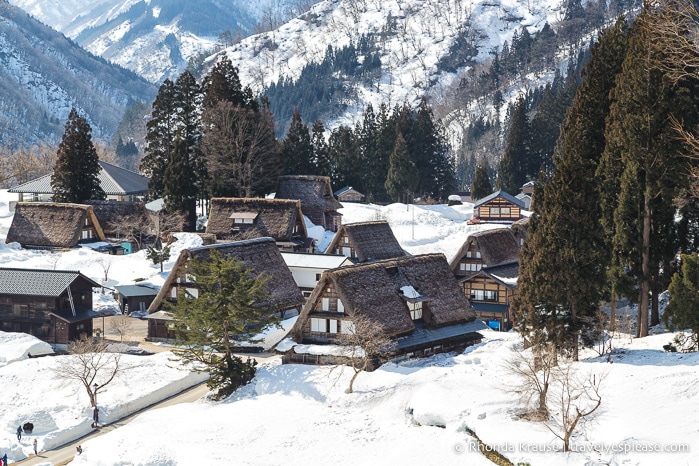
[(43, 75)]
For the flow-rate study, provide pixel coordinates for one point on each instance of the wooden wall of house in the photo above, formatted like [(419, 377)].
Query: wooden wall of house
[(484, 283), (471, 264), (487, 211), (159, 330), (327, 306), (350, 196), (345, 247)]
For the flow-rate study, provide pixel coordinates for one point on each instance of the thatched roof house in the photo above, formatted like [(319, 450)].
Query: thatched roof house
[(260, 255), (53, 225), (485, 249), (53, 305), (117, 219), (118, 183), (236, 219), (317, 200), (416, 300), (490, 291), (366, 241), (520, 229)]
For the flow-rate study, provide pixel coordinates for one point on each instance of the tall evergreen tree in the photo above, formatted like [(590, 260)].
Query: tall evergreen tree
[(223, 85), (431, 155), (512, 171), (161, 130), (297, 148), (321, 160), (180, 192), (642, 138), (481, 186), (563, 264), (75, 173), (402, 173)]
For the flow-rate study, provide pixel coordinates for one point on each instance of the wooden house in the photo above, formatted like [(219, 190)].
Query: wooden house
[(53, 305), (53, 225), (365, 242), (317, 200), (234, 219), (498, 207), (307, 268), (416, 300), (520, 229), (161, 327), (259, 254), (135, 297), (485, 248), (490, 291), (348, 194), (118, 183)]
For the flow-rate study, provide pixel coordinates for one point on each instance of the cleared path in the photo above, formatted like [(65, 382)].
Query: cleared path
[(66, 453)]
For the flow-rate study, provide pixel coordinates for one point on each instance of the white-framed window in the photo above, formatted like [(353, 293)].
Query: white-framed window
[(87, 234), (193, 292), (491, 295), (333, 326), (340, 306), (477, 295), (415, 310), (505, 210), (462, 266), (494, 211), (468, 254), (346, 239), (325, 304), (243, 220), (173, 292), (319, 325), (478, 254), (347, 252)]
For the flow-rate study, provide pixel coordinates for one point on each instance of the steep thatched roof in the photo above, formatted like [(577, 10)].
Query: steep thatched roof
[(370, 240), (114, 216), (314, 192), (276, 218), (374, 290), (520, 229), (260, 255), (50, 224), (497, 246)]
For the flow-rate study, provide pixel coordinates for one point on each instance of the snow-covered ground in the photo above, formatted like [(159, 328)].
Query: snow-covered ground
[(414, 412)]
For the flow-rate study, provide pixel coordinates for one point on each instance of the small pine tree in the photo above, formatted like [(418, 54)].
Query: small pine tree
[(682, 312), (402, 174), (481, 186), (75, 174), (158, 256)]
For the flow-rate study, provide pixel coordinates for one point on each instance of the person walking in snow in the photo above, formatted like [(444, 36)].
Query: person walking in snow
[(4, 459), (19, 433), (96, 415), (35, 451)]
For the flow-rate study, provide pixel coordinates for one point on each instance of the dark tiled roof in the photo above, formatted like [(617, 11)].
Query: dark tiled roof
[(115, 181), (137, 290), (424, 334), (501, 194), (37, 282)]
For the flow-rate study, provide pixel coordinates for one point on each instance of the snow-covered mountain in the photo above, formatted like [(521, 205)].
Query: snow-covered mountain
[(412, 36), (43, 75), (154, 38)]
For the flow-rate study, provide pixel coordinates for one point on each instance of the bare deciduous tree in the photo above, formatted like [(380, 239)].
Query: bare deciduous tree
[(533, 368), (89, 363), (121, 324), (574, 401), (365, 344)]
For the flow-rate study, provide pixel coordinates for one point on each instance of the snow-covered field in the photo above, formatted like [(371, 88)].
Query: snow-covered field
[(415, 412)]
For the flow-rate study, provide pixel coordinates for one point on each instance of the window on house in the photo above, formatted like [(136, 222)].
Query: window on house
[(340, 306), (468, 254), (415, 310), (491, 295), (505, 210), (477, 295), (347, 252), (333, 325), (478, 254), (173, 292), (193, 292), (462, 266), (346, 239), (494, 211), (319, 325), (326, 304), (317, 277)]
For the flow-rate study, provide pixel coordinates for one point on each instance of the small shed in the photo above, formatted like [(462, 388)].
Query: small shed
[(349, 194), (498, 207), (135, 297), (161, 327)]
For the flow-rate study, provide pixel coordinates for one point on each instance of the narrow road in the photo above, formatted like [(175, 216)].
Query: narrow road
[(65, 454)]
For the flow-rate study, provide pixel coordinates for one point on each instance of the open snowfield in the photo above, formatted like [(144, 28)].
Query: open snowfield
[(414, 412)]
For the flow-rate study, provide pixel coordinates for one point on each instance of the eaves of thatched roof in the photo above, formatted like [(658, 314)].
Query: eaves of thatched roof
[(370, 240), (497, 246), (374, 290), (276, 218), (260, 255), (314, 192), (50, 224), (112, 214)]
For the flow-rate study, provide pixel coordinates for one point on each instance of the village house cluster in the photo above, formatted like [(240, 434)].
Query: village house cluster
[(423, 303)]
